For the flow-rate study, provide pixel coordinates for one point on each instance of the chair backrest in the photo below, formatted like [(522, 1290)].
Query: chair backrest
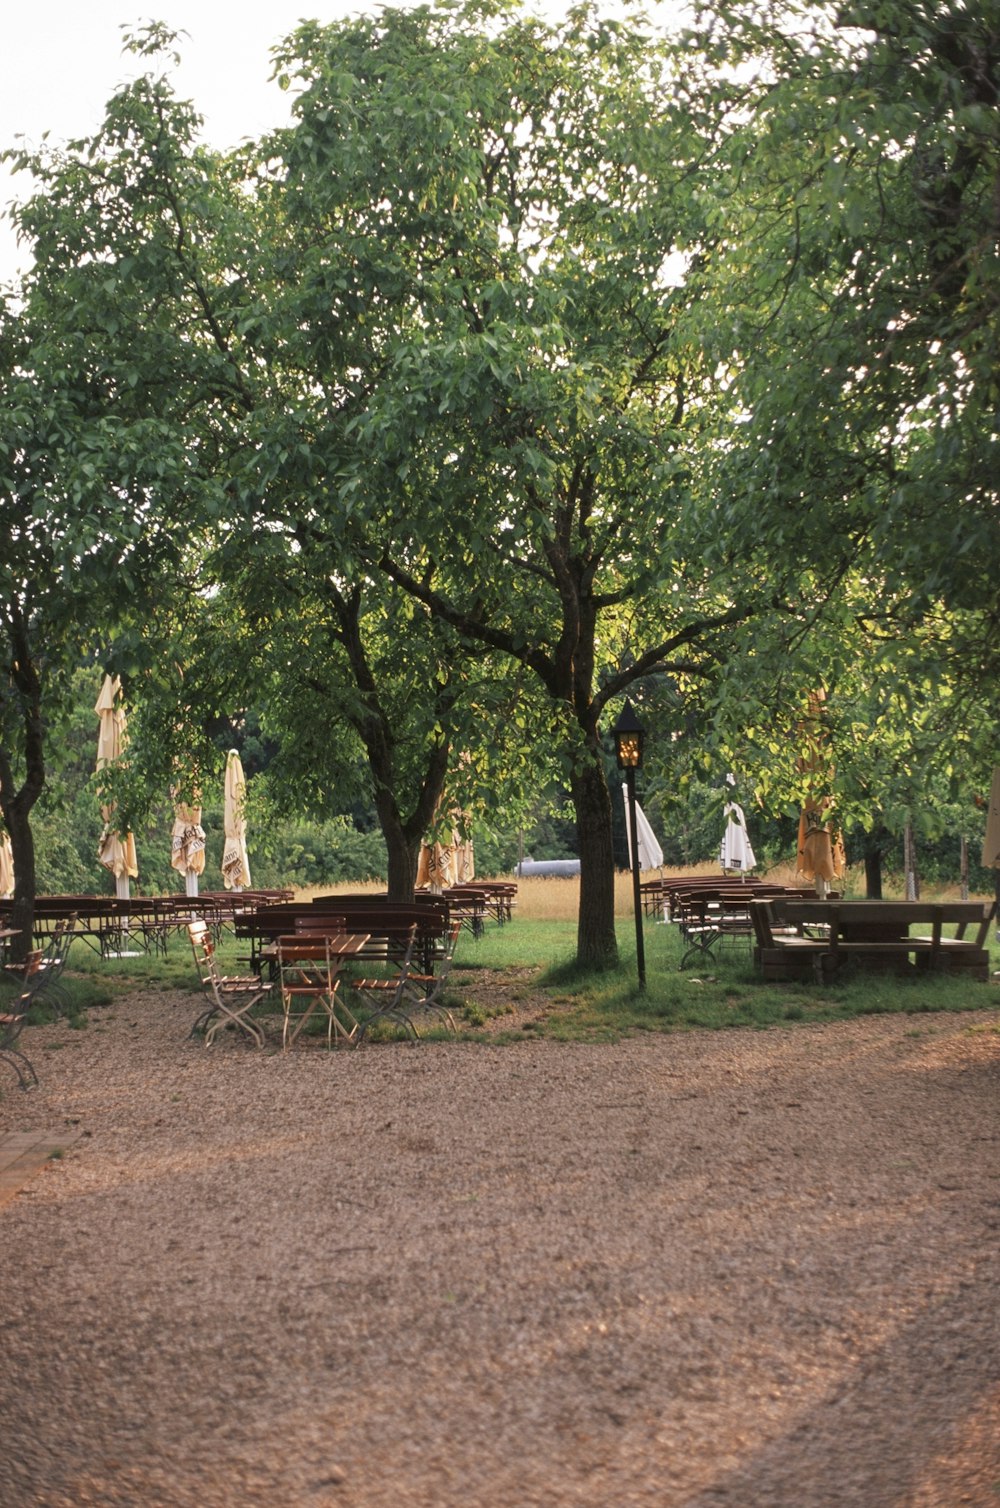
[(31, 978), (203, 948), (450, 942), (307, 963), (57, 951)]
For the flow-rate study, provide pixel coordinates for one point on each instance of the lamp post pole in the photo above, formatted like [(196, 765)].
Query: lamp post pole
[(628, 752), (640, 948)]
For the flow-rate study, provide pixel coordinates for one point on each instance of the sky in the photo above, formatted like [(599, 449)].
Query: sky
[(63, 61)]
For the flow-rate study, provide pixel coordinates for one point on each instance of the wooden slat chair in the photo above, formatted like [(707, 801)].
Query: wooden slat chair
[(230, 997), (308, 970), (49, 968), (424, 992), (385, 996), (13, 1015)]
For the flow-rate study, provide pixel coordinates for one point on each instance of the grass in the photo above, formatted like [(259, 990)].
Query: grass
[(725, 993)]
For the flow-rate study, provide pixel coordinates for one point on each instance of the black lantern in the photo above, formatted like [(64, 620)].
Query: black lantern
[(628, 752), (629, 736)]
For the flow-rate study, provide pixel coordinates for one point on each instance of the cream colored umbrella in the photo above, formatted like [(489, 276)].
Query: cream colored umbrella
[(820, 855), (991, 842), (187, 845), (450, 861), (465, 860), (116, 851), (436, 866), (235, 863), (650, 852), (6, 866), (736, 852)]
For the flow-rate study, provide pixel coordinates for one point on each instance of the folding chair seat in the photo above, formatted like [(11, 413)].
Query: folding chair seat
[(230, 997)]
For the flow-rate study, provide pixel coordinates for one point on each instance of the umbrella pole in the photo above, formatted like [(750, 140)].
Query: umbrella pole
[(191, 882)]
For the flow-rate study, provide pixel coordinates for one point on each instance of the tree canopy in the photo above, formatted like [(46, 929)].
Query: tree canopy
[(537, 362)]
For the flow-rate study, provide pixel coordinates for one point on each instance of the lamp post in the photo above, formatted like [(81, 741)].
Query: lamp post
[(628, 752)]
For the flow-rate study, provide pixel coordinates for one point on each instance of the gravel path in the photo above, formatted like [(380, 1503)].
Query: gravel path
[(740, 1268)]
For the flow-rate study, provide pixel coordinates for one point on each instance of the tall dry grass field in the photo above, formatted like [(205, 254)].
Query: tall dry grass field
[(552, 898)]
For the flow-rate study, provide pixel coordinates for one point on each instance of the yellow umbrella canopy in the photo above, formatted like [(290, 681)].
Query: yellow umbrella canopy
[(821, 856), (235, 863), (991, 842), (447, 860), (6, 866), (116, 851), (821, 849)]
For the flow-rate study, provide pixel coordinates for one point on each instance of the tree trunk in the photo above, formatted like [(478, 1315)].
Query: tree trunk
[(16, 805), (22, 843), (403, 837), (873, 874), (403, 855), (874, 847), (911, 875), (596, 943)]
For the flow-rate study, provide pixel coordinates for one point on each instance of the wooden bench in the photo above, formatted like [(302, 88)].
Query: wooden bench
[(797, 939)]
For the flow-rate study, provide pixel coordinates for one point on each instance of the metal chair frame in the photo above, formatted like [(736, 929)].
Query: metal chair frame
[(385, 995), (413, 992), (308, 970), (231, 997), (49, 966), (13, 1016), (423, 991)]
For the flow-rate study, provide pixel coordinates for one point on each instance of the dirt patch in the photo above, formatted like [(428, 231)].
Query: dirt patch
[(693, 1269)]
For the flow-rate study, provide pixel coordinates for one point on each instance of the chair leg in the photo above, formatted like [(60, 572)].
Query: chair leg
[(22, 1065)]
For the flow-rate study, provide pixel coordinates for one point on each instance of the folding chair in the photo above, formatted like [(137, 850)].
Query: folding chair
[(308, 968), (423, 992), (385, 995), (413, 993), (231, 997), (49, 967), (13, 1013)]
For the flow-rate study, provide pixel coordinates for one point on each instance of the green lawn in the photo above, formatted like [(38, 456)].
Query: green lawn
[(724, 992), (721, 993)]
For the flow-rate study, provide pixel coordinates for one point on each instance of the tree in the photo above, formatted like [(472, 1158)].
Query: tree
[(81, 545), (490, 205), (202, 274), (850, 164)]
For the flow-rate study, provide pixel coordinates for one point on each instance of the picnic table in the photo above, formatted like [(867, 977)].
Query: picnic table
[(796, 938)]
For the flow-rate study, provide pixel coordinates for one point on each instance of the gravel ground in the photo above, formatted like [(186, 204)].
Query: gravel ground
[(743, 1268)]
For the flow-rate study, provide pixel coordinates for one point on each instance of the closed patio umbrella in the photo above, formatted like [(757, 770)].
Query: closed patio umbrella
[(6, 866), (436, 865), (116, 851), (991, 842), (820, 854), (449, 859), (650, 852), (235, 863), (187, 845), (736, 851)]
